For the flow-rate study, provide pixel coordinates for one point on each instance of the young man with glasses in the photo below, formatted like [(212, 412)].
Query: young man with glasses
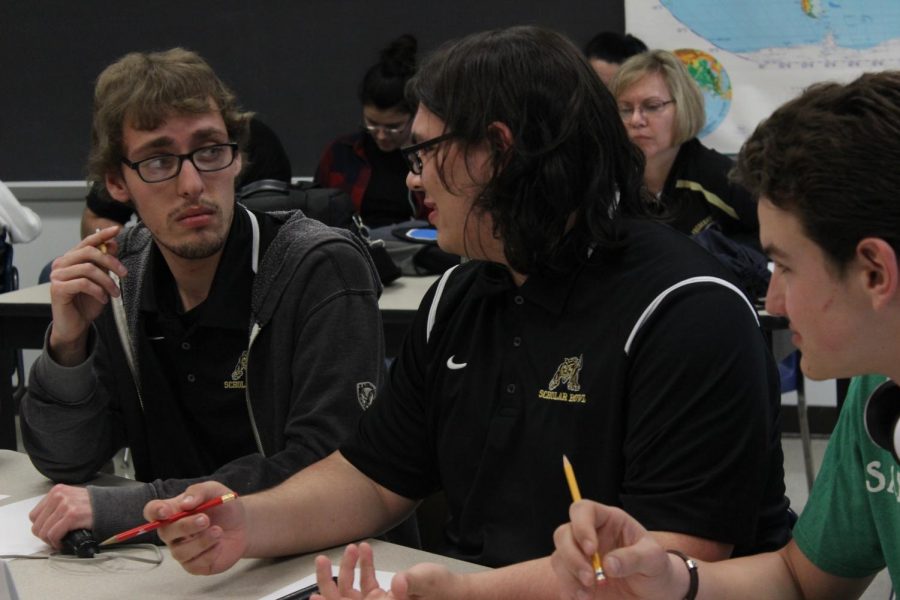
[(574, 329), (213, 341)]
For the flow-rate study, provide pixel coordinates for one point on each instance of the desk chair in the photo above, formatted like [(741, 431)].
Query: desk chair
[(9, 282), (795, 383), (776, 329), (44, 276)]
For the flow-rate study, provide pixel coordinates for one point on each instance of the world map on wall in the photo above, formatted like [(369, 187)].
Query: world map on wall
[(714, 82), (751, 56), (764, 24)]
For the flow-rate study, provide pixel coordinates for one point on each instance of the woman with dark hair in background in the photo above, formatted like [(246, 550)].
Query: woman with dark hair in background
[(368, 164)]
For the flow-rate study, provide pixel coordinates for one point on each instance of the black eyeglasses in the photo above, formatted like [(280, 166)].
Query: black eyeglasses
[(413, 155), (166, 166)]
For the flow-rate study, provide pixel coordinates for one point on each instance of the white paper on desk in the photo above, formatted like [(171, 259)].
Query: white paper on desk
[(384, 582), (15, 529), (2, 496)]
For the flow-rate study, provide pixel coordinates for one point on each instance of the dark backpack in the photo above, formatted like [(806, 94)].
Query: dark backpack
[(329, 205), (749, 265)]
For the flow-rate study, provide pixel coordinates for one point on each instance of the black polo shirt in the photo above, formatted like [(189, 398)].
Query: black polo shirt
[(680, 428), (201, 354)]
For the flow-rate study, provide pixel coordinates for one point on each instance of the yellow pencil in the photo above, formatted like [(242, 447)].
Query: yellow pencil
[(576, 496), (102, 245)]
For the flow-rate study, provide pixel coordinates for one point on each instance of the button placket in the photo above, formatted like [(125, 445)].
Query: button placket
[(509, 405)]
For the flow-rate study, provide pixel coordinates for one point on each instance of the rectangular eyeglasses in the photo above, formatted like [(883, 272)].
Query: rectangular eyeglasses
[(166, 166), (413, 154)]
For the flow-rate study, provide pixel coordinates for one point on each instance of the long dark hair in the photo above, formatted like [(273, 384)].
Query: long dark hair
[(384, 82), (570, 170)]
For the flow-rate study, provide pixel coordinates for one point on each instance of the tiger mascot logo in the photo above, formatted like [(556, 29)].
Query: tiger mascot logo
[(567, 373)]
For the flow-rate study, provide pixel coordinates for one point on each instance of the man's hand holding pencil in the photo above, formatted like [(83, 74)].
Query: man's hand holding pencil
[(205, 543), (80, 287), (634, 564)]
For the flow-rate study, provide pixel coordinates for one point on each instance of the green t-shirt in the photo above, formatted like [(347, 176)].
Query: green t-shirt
[(851, 525)]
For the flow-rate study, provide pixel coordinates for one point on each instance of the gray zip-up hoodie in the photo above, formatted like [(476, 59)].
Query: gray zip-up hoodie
[(315, 357)]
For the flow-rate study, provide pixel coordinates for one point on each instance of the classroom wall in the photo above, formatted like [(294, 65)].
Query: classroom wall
[(60, 221), (297, 63)]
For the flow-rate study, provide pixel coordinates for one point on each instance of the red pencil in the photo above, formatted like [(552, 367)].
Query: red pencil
[(127, 535)]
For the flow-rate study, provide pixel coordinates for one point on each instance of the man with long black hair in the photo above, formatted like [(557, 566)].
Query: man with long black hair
[(575, 328)]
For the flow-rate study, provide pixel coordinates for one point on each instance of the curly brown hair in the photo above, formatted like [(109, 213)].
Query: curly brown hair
[(146, 88)]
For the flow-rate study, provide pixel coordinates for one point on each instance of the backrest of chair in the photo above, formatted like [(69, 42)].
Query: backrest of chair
[(9, 275)]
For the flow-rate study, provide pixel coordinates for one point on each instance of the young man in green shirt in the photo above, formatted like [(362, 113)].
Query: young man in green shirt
[(824, 167)]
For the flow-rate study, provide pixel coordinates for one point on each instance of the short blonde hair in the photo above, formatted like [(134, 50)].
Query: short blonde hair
[(689, 113)]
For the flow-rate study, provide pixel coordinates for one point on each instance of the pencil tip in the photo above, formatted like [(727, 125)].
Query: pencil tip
[(107, 541), (565, 460)]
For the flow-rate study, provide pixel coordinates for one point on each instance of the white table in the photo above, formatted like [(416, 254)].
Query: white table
[(250, 578), (398, 304)]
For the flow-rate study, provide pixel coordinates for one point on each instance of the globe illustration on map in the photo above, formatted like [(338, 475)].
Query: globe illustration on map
[(714, 82)]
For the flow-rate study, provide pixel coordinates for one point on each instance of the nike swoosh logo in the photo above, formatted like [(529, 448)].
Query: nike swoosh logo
[(455, 365), (155, 338)]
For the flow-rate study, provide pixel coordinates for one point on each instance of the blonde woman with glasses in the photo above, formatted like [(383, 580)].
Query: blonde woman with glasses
[(662, 108)]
